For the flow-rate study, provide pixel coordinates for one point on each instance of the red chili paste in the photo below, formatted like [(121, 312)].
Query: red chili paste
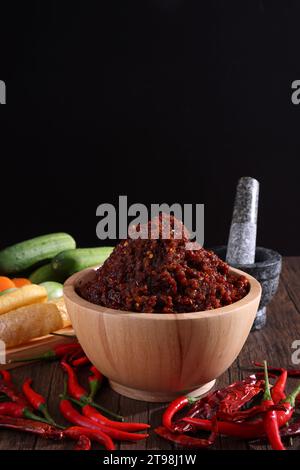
[(162, 276)]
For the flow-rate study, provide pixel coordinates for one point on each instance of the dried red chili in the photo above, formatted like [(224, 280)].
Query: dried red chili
[(243, 430), (250, 413), (183, 439), (292, 429), (240, 393), (83, 443), (227, 400), (248, 430), (31, 426)]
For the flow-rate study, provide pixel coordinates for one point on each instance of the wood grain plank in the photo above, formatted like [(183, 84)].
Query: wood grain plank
[(36, 347), (51, 384), (134, 410), (106, 397), (110, 400), (273, 343), (154, 442), (290, 277)]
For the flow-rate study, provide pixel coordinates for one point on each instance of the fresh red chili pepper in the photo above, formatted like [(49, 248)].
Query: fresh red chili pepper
[(16, 410), (278, 389), (72, 415), (94, 415), (75, 390), (37, 401), (56, 353), (83, 443), (206, 407), (73, 356), (278, 370), (6, 377), (61, 350), (9, 408), (95, 381), (284, 417), (96, 435), (50, 432), (81, 361), (183, 439), (13, 394), (270, 420), (173, 408), (90, 412)]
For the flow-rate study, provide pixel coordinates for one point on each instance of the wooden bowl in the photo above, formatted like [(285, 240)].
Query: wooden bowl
[(156, 357)]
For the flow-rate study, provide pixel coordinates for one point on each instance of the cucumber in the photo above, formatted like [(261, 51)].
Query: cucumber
[(45, 273), (71, 261), (6, 291), (24, 255), (54, 289)]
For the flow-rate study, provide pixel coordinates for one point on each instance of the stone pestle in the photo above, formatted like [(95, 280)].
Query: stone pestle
[(242, 237)]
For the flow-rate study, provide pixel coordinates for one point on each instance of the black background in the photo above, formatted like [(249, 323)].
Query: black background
[(164, 101)]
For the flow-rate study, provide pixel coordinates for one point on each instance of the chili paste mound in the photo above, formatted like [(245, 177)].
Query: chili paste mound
[(163, 276)]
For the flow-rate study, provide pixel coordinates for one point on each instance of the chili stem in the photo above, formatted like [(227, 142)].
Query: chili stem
[(95, 405)]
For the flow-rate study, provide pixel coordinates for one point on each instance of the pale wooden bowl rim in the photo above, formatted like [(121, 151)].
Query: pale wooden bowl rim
[(251, 297)]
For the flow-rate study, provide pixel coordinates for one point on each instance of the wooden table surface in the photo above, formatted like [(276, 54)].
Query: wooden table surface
[(274, 343)]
